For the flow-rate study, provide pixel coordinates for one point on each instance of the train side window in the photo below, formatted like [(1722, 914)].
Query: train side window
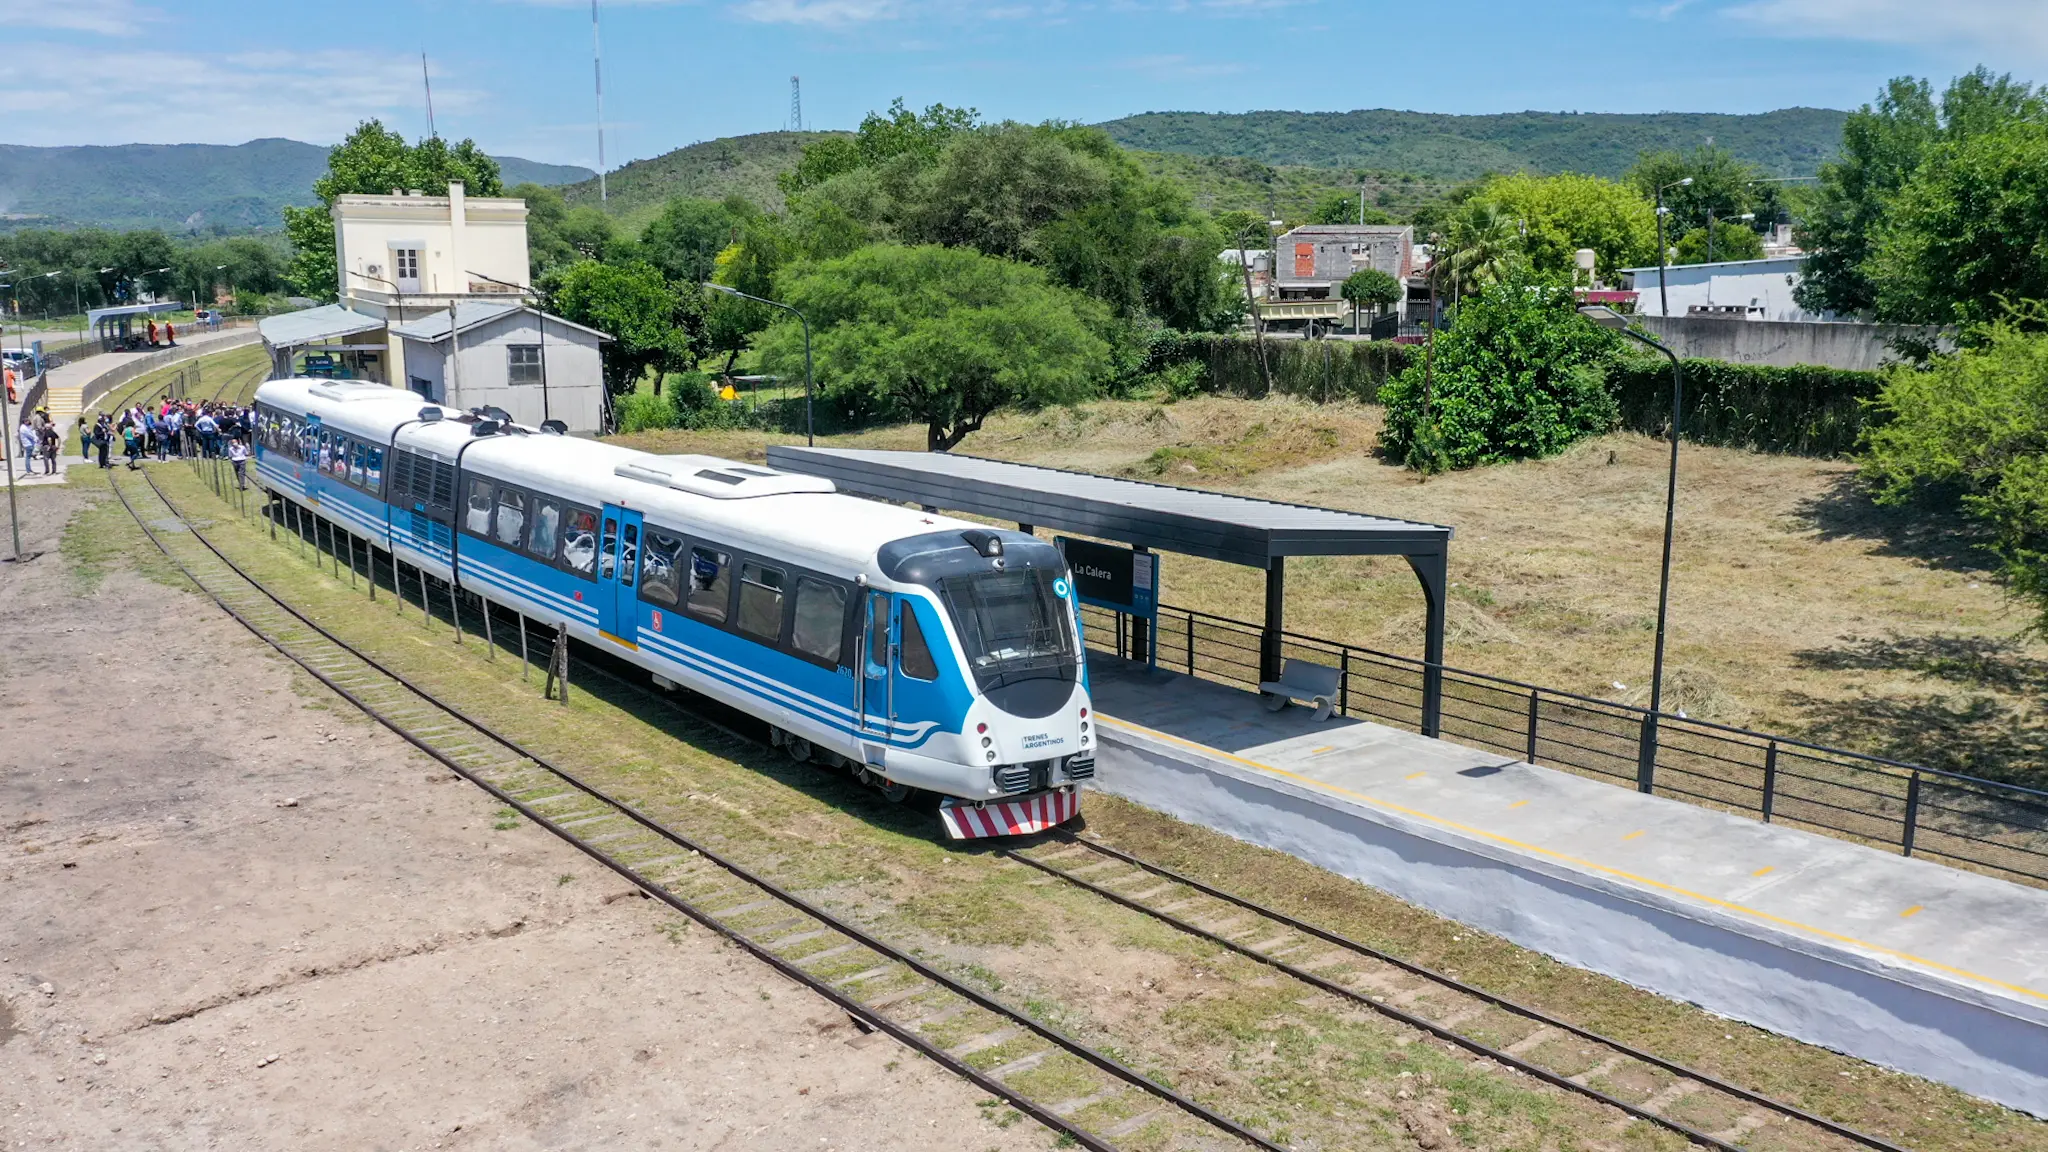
[(478, 518), (607, 549), (579, 540), (511, 517), (658, 584), (818, 626), (878, 629), (356, 452), (629, 554), (547, 519), (916, 657), (710, 583), (373, 469), (761, 602)]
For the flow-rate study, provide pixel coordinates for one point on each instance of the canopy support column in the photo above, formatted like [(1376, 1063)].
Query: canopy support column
[(1276, 619), (1433, 570)]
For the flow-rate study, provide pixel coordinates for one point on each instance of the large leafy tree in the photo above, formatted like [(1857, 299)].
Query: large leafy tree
[(685, 240), (649, 321), (1558, 215), (942, 336), (373, 161), (1371, 288), (883, 137), (1883, 145), (1733, 240), (1482, 248), (1520, 374), (558, 235), (1721, 185), (1977, 420)]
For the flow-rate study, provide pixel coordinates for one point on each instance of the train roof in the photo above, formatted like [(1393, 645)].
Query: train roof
[(749, 506)]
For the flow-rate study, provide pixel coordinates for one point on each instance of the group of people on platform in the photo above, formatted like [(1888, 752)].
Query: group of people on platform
[(183, 428), (38, 440)]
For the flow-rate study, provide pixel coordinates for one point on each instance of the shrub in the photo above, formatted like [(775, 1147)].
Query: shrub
[(643, 411), (1804, 409), (1311, 369), (1519, 375)]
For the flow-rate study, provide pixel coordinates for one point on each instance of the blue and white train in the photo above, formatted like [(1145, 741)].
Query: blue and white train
[(922, 651)]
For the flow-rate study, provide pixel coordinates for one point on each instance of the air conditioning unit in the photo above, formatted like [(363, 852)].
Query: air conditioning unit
[(374, 269)]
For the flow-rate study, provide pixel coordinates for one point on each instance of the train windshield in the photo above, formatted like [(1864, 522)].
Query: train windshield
[(1012, 625)]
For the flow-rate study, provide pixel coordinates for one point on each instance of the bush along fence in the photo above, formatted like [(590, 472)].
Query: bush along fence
[(1961, 820), (1805, 410), (1311, 369)]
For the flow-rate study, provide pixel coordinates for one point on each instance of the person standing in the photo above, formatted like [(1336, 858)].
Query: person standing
[(238, 455), (50, 445), (170, 334), (102, 435), (26, 438), (152, 333)]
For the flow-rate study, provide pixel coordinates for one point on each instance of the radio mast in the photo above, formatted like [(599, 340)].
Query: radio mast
[(428, 81), (796, 105), (597, 74)]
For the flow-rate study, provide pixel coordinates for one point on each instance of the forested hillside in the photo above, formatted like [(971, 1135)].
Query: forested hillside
[(1788, 142), (182, 187), (742, 165)]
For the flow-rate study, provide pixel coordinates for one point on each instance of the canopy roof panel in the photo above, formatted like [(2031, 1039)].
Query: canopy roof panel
[(1236, 529), (313, 325)]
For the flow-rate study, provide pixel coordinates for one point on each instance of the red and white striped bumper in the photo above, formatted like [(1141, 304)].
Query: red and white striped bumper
[(964, 821)]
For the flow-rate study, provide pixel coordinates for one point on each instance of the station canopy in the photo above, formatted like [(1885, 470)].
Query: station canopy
[(1214, 525), (313, 325)]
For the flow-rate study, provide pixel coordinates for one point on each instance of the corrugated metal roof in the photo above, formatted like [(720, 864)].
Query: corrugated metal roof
[(1237, 529), (323, 323), (433, 327)]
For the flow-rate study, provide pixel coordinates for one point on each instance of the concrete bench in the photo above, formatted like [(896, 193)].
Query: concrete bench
[(1301, 680)]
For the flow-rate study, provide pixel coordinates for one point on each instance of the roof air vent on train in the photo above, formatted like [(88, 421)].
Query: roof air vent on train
[(554, 427), (430, 414), (486, 428), (983, 541)]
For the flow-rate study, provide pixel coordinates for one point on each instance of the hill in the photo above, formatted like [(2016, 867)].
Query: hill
[(181, 187), (714, 169), (1788, 142)]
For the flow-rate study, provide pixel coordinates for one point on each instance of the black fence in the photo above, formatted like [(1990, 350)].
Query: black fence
[(1982, 824)]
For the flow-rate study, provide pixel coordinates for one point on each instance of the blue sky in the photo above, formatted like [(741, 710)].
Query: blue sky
[(515, 74)]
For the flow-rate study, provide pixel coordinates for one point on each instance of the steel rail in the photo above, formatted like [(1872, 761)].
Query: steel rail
[(1788, 1111), (852, 1007)]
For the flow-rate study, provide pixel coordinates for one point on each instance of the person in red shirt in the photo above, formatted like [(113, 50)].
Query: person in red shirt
[(152, 333), (170, 334)]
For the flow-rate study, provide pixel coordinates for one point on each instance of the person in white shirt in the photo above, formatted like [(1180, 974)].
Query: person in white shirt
[(238, 455), (27, 439)]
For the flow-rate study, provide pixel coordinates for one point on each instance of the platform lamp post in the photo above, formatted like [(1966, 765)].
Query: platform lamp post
[(1646, 762), (810, 429), (545, 412), (1663, 297)]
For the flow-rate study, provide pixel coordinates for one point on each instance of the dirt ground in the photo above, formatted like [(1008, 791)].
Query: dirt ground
[(240, 916)]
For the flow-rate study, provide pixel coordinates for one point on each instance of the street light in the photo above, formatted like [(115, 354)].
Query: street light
[(1646, 762), (810, 430), (545, 413), (1663, 297)]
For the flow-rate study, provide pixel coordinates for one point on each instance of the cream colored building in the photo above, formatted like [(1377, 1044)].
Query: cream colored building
[(426, 252)]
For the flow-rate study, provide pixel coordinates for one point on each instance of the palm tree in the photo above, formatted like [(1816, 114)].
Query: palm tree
[(1483, 246)]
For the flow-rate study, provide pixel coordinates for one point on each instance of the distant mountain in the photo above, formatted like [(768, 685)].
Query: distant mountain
[(714, 169), (182, 187), (1788, 142)]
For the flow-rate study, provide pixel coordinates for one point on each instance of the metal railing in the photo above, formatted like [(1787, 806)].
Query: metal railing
[(1907, 808)]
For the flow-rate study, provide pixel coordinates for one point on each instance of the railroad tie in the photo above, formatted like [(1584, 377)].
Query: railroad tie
[(860, 977), (1672, 1094), (1531, 1042), (985, 1040), (1598, 1070), (1021, 1064), (1133, 1124), (1074, 1104), (1149, 893), (1745, 1124)]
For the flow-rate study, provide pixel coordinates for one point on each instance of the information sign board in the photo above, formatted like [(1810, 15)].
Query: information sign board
[(1108, 576)]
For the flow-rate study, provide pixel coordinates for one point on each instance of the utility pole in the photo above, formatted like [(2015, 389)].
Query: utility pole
[(597, 74), (428, 82)]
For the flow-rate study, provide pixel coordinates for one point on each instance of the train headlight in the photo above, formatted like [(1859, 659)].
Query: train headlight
[(985, 741), (991, 754)]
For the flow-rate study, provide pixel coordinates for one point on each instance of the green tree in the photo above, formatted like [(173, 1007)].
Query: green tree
[(1342, 208), (1483, 247), (1978, 420), (558, 235), (1721, 184), (1370, 288), (1883, 145), (942, 336), (1558, 215), (1968, 231), (685, 240), (882, 137), (1520, 374), (992, 190), (373, 161), (1733, 240), (649, 322)]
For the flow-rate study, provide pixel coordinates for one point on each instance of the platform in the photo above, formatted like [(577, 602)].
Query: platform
[(1908, 964)]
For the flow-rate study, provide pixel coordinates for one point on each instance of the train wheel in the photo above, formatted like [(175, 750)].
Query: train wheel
[(799, 749), (896, 793)]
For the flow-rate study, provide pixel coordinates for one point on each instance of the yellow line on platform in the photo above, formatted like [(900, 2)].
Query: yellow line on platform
[(1765, 870), (1910, 911), (1518, 803), (1417, 775), (1633, 835), (1555, 855)]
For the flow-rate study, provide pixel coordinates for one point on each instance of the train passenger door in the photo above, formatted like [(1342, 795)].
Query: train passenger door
[(876, 633), (320, 450), (618, 570)]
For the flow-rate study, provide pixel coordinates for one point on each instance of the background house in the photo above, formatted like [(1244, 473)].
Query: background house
[(507, 355), (1313, 261), (1740, 289)]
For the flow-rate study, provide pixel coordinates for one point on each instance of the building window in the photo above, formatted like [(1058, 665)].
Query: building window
[(405, 267), (522, 363)]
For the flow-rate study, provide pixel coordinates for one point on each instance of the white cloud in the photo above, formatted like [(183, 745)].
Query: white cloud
[(101, 17), (101, 96), (818, 13), (1999, 27)]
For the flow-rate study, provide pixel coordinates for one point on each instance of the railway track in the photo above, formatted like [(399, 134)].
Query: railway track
[(878, 985), (1516, 1036)]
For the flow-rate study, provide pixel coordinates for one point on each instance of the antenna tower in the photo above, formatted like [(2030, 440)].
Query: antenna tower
[(429, 82), (597, 74), (796, 105)]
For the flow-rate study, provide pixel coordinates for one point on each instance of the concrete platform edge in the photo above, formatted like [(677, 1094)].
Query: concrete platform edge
[(1815, 990)]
